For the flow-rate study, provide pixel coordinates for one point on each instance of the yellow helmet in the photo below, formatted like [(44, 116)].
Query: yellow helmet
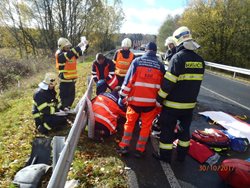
[(126, 43), (170, 40), (62, 42), (49, 79), (182, 34)]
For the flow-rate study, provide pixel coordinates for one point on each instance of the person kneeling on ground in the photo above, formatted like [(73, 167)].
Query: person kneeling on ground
[(45, 111), (106, 112)]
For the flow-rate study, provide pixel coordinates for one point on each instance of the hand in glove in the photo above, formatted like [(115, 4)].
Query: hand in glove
[(83, 45), (100, 82), (158, 105), (120, 103)]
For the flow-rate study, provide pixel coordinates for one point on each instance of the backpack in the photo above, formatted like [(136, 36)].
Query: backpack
[(235, 172), (236, 143), (199, 151), (211, 137)]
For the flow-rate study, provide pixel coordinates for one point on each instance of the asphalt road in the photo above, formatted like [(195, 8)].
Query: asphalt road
[(217, 94), (229, 88)]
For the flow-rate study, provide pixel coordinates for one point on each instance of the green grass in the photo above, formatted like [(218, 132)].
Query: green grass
[(95, 164)]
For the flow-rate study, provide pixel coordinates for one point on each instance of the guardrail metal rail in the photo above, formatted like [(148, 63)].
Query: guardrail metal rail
[(60, 172), (229, 68)]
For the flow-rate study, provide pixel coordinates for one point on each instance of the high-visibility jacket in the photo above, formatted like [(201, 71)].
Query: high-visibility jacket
[(103, 71), (66, 63), (106, 110), (44, 103), (122, 63), (182, 81), (143, 80)]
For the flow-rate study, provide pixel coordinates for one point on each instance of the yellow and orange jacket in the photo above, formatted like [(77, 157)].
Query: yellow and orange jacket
[(143, 81), (122, 60), (106, 110), (66, 63)]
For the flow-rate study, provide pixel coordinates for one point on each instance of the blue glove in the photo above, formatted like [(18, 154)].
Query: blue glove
[(100, 82), (120, 103)]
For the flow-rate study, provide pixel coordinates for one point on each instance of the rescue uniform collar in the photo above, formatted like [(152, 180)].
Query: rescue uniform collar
[(150, 53)]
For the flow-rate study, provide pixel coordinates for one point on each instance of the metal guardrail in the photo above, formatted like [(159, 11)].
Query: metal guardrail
[(60, 172), (229, 68)]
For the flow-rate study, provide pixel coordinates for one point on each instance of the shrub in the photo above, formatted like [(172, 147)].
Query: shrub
[(11, 71)]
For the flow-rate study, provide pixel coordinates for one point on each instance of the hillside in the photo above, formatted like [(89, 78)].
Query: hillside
[(94, 165)]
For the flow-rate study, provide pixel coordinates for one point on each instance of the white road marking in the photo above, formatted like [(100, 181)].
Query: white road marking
[(172, 180), (241, 105)]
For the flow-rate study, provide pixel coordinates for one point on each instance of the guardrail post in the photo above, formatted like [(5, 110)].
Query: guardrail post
[(57, 144), (234, 75)]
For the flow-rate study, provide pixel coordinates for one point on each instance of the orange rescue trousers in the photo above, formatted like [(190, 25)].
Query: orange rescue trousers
[(146, 124)]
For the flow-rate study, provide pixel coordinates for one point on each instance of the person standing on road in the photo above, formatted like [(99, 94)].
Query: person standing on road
[(123, 58), (171, 49), (178, 94), (140, 88), (66, 64), (103, 72)]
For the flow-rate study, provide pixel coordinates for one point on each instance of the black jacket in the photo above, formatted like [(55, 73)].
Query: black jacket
[(182, 81), (44, 102)]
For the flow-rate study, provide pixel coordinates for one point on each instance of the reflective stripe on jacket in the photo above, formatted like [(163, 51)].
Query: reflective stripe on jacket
[(106, 110), (143, 80), (44, 103), (182, 81), (103, 71), (66, 63), (122, 64)]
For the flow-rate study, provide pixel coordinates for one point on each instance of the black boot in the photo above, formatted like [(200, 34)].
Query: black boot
[(181, 153), (164, 155)]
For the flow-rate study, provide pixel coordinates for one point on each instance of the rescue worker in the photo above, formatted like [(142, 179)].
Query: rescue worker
[(66, 64), (123, 58), (178, 94), (171, 49), (140, 88), (103, 72), (107, 112), (45, 106)]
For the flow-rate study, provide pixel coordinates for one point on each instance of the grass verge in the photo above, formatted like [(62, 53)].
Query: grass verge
[(94, 165)]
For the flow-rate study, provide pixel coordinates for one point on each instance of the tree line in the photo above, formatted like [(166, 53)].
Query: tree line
[(221, 27), (30, 25)]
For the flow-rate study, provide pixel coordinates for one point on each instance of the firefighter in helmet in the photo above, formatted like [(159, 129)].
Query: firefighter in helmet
[(66, 64), (123, 58), (45, 106), (171, 48), (178, 94)]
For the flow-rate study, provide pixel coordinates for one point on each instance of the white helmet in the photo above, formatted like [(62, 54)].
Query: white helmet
[(49, 79), (170, 40), (126, 43), (62, 42), (182, 34)]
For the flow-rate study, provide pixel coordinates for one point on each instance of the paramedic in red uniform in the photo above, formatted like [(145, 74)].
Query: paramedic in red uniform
[(140, 88), (178, 94), (106, 112)]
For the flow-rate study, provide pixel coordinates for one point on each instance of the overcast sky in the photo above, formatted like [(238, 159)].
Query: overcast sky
[(147, 16)]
